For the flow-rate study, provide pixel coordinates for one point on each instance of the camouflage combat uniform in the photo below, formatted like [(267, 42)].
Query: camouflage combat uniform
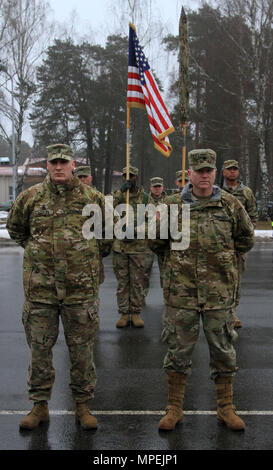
[(153, 199), (129, 260), (104, 245), (246, 197), (178, 177), (201, 280), (61, 278)]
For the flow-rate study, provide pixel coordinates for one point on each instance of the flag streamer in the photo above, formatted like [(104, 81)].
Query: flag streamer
[(183, 83), (143, 93)]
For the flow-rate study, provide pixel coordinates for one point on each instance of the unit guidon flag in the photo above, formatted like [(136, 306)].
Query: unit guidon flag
[(143, 93)]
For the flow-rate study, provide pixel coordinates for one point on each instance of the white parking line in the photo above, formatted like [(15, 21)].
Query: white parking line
[(138, 412)]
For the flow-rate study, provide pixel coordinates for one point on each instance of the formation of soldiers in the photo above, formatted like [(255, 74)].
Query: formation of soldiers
[(62, 271)]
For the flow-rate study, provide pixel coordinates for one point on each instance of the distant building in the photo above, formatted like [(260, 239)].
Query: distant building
[(4, 161), (33, 171)]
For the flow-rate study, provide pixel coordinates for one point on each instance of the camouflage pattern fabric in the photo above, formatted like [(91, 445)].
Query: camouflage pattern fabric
[(133, 246), (150, 256), (246, 198), (153, 199), (206, 273), (41, 323), (60, 265), (129, 260), (149, 261), (61, 277), (181, 330), (129, 270), (203, 278)]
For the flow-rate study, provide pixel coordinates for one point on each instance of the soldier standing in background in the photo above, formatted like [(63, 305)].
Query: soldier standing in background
[(61, 278), (129, 257), (200, 281), (178, 180), (85, 177), (157, 196), (84, 174), (232, 185)]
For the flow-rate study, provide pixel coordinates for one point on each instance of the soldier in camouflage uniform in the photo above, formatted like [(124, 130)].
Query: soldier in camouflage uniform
[(129, 258), (245, 195), (61, 278), (201, 281), (84, 175), (178, 179), (157, 196)]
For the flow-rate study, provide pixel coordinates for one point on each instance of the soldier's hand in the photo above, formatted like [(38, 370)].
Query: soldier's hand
[(126, 185)]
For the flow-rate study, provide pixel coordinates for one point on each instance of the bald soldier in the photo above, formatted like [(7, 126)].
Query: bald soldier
[(61, 279), (234, 186), (200, 282)]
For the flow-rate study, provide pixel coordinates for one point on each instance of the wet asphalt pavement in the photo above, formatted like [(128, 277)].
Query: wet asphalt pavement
[(131, 391)]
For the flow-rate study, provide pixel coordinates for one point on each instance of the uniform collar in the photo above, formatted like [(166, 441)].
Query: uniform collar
[(61, 188), (186, 194)]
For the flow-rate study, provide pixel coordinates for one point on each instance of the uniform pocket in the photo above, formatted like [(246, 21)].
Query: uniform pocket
[(81, 323), (27, 275)]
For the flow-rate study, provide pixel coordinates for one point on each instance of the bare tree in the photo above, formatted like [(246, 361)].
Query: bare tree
[(6, 7), (28, 34), (257, 60)]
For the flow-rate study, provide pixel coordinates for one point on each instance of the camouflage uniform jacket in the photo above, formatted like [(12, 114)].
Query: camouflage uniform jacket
[(246, 198), (134, 246), (59, 263), (153, 199), (205, 274)]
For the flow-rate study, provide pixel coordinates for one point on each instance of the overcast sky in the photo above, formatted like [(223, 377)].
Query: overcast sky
[(94, 20), (96, 14)]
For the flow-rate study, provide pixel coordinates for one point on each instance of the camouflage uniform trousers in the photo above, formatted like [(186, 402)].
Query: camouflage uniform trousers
[(41, 323), (241, 262), (129, 270), (150, 256), (181, 330)]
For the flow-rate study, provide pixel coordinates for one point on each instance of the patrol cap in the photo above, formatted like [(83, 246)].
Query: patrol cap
[(132, 170), (202, 158), (62, 151), (230, 163), (156, 181), (82, 171), (178, 175)]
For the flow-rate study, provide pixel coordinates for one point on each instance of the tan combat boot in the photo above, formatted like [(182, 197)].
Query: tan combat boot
[(84, 417), (237, 322), (174, 410), (38, 414), (137, 321), (226, 411), (123, 321)]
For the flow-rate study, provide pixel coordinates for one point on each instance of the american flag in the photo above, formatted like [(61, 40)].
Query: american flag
[(143, 93)]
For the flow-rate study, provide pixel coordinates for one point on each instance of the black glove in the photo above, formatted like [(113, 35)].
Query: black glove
[(128, 240), (126, 185)]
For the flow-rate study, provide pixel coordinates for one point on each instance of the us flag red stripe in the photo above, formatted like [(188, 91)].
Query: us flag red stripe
[(142, 92)]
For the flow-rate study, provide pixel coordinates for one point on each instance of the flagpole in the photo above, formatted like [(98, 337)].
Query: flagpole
[(183, 84), (127, 161), (184, 132)]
